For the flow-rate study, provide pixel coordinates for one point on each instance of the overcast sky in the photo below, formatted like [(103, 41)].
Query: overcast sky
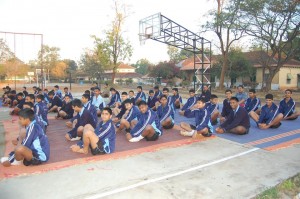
[(69, 24)]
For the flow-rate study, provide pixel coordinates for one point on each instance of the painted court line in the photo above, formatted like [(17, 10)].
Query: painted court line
[(122, 189)]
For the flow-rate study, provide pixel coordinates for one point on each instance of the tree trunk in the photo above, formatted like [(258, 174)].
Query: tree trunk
[(223, 71), (269, 81)]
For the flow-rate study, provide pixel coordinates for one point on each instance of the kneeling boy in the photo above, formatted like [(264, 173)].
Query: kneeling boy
[(100, 140), (202, 121), (35, 147)]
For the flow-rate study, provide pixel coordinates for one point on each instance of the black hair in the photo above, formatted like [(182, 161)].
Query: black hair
[(127, 101), (31, 96), (191, 91), (68, 96), (156, 87), (24, 87), (112, 89), (201, 100), (87, 92), (252, 90), (108, 110), (235, 99), (166, 89), (34, 87), (77, 102), (56, 86), (175, 89), (92, 89), (151, 91), (27, 113), (131, 91), (66, 88), (213, 96), (20, 94), (86, 96), (29, 104), (51, 93), (240, 86), (228, 90), (142, 102), (124, 93), (289, 90), (140, 87), (13, 92), (163, 96), (96, 88), (269, 96), (40, 96)]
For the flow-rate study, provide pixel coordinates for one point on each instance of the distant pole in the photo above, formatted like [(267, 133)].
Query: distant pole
[(15, 63), (42, 65), (70, 79)]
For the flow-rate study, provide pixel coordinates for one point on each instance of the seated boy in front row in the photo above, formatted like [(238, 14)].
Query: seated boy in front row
[(165, 113), (148, 125), (237, 122), (100, 140), (202, 122), (34, 148), (269, 116)]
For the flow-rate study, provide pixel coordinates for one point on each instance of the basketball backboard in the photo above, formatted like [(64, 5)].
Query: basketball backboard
[(149, 27)]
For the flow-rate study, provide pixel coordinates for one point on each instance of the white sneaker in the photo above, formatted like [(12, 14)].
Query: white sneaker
[(136, 139), (186, 133), (3, 159), (76, 139), (15, 162)]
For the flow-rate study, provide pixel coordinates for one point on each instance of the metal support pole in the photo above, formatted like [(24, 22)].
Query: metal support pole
[(202, 70), (15, 61), (42, 65), (194, 78), (70, 79)]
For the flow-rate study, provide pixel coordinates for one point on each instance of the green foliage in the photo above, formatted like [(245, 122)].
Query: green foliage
[(71, 64), (165, 70), (142, 66), (271, 193), (5, 52), (287, 185), (89, 63), (176, 55)]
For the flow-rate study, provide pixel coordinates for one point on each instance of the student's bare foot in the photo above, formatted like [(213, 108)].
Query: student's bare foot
[(128, 136), (197, 136), (14, 142), (82, 151), (67, 136), (75, 148), (181, 113), (6, 163)]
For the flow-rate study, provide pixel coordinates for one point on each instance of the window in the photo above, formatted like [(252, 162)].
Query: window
[(288, 78)]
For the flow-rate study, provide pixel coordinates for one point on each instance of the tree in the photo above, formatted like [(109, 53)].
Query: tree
[(142, 66), (176, 55), (50, 58), (59, 70), (114, 44), (71, 64), (238, 66), (275, 24), (224, 23), (5, 52), (14, 67), (165, 70)]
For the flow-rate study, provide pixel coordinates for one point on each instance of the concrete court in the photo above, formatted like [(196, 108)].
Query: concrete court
[(243, 176)]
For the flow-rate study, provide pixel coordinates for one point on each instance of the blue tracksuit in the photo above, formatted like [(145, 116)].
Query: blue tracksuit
[(68, 93), (190, 103), (252, 104), (164, 112), (157, 94), (202, 119), (238, 117), (205, 95), (226, 108), (92, 109), (148, 118), (37, 141), (211, 107), (267, 114), (134, 113), (20, 103), (107, 134), (67, 107), (83, 117), (174, 98), (122, 112), (114, 98), (41, 110), (140, 95), (151, 101), (59, 94), (287, 108), (55, 101)]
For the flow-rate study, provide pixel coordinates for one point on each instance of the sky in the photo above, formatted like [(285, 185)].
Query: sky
[(69, 24)]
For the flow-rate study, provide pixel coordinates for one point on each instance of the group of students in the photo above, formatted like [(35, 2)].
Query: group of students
[(137, 116)]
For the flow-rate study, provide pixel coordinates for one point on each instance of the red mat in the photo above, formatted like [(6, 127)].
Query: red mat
[(61, 156)]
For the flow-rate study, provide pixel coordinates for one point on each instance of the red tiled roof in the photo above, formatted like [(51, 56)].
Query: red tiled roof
[(125, 66), (188, 64)]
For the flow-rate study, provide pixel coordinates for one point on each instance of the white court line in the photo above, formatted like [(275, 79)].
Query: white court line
[(108, 193)]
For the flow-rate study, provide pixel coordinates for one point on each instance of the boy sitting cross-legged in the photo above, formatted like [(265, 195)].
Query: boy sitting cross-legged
[(165, 113), (202, 122), (131, 114), (148, 125), (83, 117), (100, 140), (34, 148)]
